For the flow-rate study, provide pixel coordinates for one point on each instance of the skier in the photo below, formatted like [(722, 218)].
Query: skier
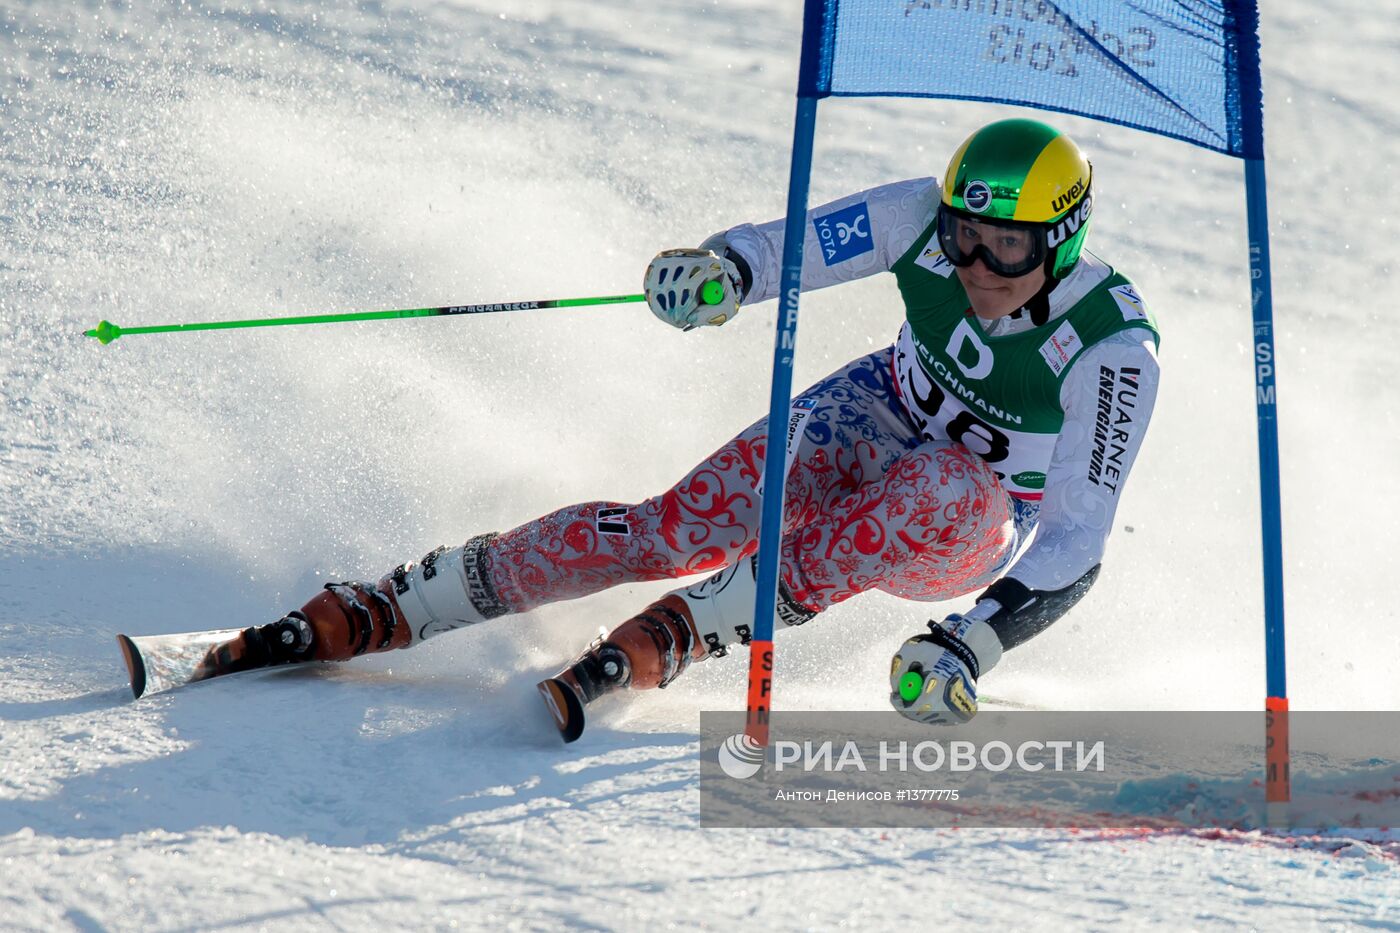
[(1014, 400)]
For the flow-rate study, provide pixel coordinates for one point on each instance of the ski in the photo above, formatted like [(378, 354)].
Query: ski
[(158, 663), (565, 707)]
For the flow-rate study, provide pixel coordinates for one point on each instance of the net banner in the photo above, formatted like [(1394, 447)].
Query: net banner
[(1187, 69)]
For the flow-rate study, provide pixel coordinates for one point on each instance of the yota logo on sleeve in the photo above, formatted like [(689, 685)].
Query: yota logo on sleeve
[(844, 234)]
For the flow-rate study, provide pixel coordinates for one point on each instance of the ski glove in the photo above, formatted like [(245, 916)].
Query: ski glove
[(934, 677), (689, 288)]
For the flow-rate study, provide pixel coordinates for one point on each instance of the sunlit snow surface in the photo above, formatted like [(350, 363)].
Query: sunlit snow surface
[(163, 164)]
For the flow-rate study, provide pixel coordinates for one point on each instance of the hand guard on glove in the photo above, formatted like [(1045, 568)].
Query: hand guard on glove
[(676, 290), (934, 677)]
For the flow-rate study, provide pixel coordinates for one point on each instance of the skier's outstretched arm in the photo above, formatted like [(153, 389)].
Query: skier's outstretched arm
[(847, 239), (1107, 399)]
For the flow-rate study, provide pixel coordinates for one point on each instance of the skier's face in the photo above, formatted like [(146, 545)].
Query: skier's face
[(993, 296)]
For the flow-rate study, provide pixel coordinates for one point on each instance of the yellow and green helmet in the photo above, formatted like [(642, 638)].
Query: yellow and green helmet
[(1022, 175)]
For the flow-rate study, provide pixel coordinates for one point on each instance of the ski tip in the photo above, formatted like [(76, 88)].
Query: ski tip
[(564, 706), (134, 665)]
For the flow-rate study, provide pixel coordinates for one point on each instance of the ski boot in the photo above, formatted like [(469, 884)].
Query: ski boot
[(651, 649), (656, 646)]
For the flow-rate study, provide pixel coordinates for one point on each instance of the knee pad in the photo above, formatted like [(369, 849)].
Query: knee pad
[(722, 606), (447, 589)]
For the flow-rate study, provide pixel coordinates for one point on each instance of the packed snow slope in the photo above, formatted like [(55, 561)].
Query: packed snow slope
[(165, 162)]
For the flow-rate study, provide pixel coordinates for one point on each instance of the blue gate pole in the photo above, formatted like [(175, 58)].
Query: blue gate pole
[(770, 532), (1276, 783), (1251, 103)]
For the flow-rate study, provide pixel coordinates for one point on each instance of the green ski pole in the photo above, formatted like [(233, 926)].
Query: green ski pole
[(106, 331)]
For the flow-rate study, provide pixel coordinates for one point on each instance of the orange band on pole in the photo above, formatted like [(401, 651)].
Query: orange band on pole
[(760, 691), (1276, 778)]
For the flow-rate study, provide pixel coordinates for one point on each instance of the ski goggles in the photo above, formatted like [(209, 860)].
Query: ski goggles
[(1008, 248)]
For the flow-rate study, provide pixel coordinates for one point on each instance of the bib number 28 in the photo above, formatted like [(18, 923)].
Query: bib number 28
[(966, 428)]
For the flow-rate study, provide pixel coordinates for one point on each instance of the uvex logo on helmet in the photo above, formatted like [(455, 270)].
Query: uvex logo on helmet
[(1068, 227), (1068, 198), (977, 196)]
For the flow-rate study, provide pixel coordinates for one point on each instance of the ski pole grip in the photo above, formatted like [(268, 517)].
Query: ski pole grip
[(910, 686), (712, 292)]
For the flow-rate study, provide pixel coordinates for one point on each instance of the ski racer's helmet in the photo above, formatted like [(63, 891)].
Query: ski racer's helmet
[(1016, 194)]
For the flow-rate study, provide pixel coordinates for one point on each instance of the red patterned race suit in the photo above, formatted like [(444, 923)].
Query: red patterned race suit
[(870, 505)]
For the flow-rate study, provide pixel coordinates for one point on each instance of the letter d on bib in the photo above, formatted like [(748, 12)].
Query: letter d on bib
[(963, 335)]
